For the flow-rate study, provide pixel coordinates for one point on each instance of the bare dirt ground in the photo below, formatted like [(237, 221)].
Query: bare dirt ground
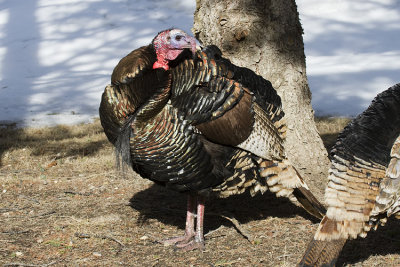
[(64, 204)]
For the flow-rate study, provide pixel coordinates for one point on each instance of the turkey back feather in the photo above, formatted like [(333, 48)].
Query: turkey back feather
[(219, 97), (133, 65), (370, 135)]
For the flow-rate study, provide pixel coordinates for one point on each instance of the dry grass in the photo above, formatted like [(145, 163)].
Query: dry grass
[(329, 128), (63, 204)]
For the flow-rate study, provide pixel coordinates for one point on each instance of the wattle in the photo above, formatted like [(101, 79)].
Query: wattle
[(158, 64)]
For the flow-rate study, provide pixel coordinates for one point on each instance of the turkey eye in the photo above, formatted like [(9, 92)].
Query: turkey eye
[(178, 38)]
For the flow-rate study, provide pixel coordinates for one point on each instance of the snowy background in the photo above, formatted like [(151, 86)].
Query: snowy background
[(56, 56)]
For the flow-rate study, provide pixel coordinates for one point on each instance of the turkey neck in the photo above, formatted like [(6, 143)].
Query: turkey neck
[(157, 100)]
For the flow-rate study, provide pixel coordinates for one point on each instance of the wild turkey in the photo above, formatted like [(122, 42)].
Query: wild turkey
[(193, 122), (364, 179)]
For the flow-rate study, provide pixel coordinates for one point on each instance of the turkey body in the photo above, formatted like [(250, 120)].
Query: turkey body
[(364, 179), (184, 124), (204, 126)]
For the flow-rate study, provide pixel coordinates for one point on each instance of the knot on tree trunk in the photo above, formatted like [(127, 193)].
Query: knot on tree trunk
[(240, 35)]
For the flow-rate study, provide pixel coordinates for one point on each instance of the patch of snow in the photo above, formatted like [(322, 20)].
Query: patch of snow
[(352, 52), (56, 56)]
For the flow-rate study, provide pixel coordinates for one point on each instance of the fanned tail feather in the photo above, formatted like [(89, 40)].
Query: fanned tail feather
[(309, 202), (285, 181)]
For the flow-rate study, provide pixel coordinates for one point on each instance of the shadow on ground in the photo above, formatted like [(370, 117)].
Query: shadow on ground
[(169, 207), (59, 141), (385, 240)]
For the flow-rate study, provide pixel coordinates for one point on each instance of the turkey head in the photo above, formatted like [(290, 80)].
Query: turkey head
[(169, 44)]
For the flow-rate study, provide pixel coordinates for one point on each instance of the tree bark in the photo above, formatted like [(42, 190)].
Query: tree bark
[(266, 37)]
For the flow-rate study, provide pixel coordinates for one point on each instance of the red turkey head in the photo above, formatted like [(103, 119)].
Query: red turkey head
[(169, 44)]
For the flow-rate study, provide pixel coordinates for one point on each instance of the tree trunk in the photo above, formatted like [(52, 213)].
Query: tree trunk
[(266, 36)]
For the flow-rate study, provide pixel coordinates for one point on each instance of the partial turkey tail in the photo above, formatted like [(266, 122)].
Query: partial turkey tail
[(327, 243), (322, 253), (284, 180), (114, 110)]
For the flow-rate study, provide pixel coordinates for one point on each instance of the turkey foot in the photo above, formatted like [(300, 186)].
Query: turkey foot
[(198, 241), (189, 228), (183, 239), (191, 239), (191, 245)]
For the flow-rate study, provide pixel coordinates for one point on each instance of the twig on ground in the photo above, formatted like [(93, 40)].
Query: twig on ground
[(237, 225), (85, 235), (82, 235), (77, 193), (213, 231), (29, 265), (44, 214), (110, 238), (15, 232)]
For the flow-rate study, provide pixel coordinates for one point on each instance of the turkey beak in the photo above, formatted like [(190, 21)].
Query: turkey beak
[(191, 44)]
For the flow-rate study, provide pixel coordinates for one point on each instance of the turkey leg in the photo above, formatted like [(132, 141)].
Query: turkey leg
[(189, 228), (198, 241), (191, 239)]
